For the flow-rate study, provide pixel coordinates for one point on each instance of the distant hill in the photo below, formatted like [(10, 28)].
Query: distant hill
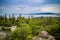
[(45, 13), (40, 14)]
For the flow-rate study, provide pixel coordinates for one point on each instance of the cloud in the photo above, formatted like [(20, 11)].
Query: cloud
[(51, 8), (17, 9)]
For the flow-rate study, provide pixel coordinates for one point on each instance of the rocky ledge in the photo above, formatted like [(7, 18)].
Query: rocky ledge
[(44, 35)]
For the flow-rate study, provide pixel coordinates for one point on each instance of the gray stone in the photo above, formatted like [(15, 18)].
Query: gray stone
[(2, 35), (44, 35)]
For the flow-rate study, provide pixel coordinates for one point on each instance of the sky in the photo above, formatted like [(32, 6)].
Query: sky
[(29, 6)]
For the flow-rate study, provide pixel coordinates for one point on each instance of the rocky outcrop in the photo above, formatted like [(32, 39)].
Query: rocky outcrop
[(13, 28), (44, 35), (5, 32), (2, 35)]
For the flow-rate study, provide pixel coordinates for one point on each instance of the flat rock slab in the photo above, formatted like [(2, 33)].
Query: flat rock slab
[(2, 35)]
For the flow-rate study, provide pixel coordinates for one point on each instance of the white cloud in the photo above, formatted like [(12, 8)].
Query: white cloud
[(28, 9), (51, 8)]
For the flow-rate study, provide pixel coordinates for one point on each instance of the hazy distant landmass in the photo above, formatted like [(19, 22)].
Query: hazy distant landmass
[(34, 15)]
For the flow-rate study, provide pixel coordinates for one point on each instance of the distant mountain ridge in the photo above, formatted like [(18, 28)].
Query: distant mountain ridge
[(41, 14), (47, 13)]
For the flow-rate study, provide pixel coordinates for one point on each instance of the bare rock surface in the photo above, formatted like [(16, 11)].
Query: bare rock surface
[(44, 35), (2, 35)]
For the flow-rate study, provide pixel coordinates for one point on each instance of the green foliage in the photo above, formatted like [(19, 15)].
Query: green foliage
[(55, 31), (22, 33), (27, 28)]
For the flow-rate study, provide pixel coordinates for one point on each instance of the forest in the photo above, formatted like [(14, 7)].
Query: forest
[(27, 28)]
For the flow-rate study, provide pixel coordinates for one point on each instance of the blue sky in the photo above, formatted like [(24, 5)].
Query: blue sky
[(29, 6), (28, 2)]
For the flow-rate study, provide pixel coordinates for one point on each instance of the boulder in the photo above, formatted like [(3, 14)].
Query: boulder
[(44, 35), (2, 35)]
